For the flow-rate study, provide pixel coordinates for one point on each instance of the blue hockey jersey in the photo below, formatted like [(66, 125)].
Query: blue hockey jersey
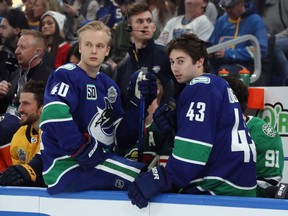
[(76, 104), (213, 152)]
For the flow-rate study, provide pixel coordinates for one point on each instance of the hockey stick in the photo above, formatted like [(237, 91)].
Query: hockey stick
[(154, 162), (141, 123)]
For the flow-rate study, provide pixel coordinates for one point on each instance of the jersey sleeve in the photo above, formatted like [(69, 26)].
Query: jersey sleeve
[(56, 120), (36, 164), (197, 113)]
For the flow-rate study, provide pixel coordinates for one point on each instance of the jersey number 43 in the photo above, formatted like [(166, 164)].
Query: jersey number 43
[(240, 141)]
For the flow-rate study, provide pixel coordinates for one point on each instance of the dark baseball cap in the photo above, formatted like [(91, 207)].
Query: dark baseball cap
[(228, 3)]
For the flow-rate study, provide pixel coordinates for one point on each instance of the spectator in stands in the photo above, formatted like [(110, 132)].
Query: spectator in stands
[(78, 12), (121, 37), (11, 25), (211, 10), (109, 13), (30, 50), (193, 21), (51, 25), (41, 6), (3, 7), (206, 157), (269, 148), (83, 118), (237, 21), (73, 55), (143, 52), (275, 16), (162, 12), (26, 168), (32, 20)]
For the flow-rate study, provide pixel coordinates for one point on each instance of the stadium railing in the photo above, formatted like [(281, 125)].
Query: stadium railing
[(257, 52)]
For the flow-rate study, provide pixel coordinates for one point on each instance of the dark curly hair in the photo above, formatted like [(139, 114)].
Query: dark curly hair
[(37, 88), (240, 90), (193, 46)]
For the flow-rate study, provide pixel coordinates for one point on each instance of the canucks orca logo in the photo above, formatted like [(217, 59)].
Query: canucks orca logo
[(103, 124)]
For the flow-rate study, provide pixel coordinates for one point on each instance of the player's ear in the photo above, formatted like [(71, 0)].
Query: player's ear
[(108, 51), (154, 26), (79, 48), (40, 109), (200, 62)]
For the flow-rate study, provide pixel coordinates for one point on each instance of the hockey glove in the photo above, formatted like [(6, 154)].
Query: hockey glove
[(90, 154), (142, 84), (148, 185), (18, 175), (165, 118)]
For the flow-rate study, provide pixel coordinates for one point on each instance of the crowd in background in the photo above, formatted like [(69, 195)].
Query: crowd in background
[(173, 18)]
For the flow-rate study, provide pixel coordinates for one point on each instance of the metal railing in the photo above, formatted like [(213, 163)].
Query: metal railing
[(257, 52)]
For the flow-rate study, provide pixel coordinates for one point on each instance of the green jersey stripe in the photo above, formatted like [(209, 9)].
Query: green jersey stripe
[(62, 165), (55, 111), (128, 174), (185, 151), (193, 141), (219, 186), (119, 164), (188, 161), (59, 167)]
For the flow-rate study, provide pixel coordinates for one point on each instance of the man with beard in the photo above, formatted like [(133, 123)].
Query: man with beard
[(25, 145)]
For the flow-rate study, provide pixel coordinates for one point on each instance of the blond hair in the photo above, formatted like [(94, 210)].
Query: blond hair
[(96, 26), (39, 41)]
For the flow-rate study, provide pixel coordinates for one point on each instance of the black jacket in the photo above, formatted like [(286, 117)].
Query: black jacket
[(154, 58), (39, 72)]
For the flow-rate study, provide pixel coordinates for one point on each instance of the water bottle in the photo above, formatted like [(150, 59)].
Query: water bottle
[(223, 73), (244, 75)]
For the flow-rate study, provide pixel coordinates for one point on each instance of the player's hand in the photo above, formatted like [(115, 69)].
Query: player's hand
[(144, 85), (70, 9), (165, 118), (4, 88), (220, 53), (90, 154), (148, 185), (17, 175)]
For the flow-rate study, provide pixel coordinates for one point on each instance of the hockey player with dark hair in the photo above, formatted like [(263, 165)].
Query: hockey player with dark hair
[(83, 119), (25, 145), (269, 148), (213, 153)]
